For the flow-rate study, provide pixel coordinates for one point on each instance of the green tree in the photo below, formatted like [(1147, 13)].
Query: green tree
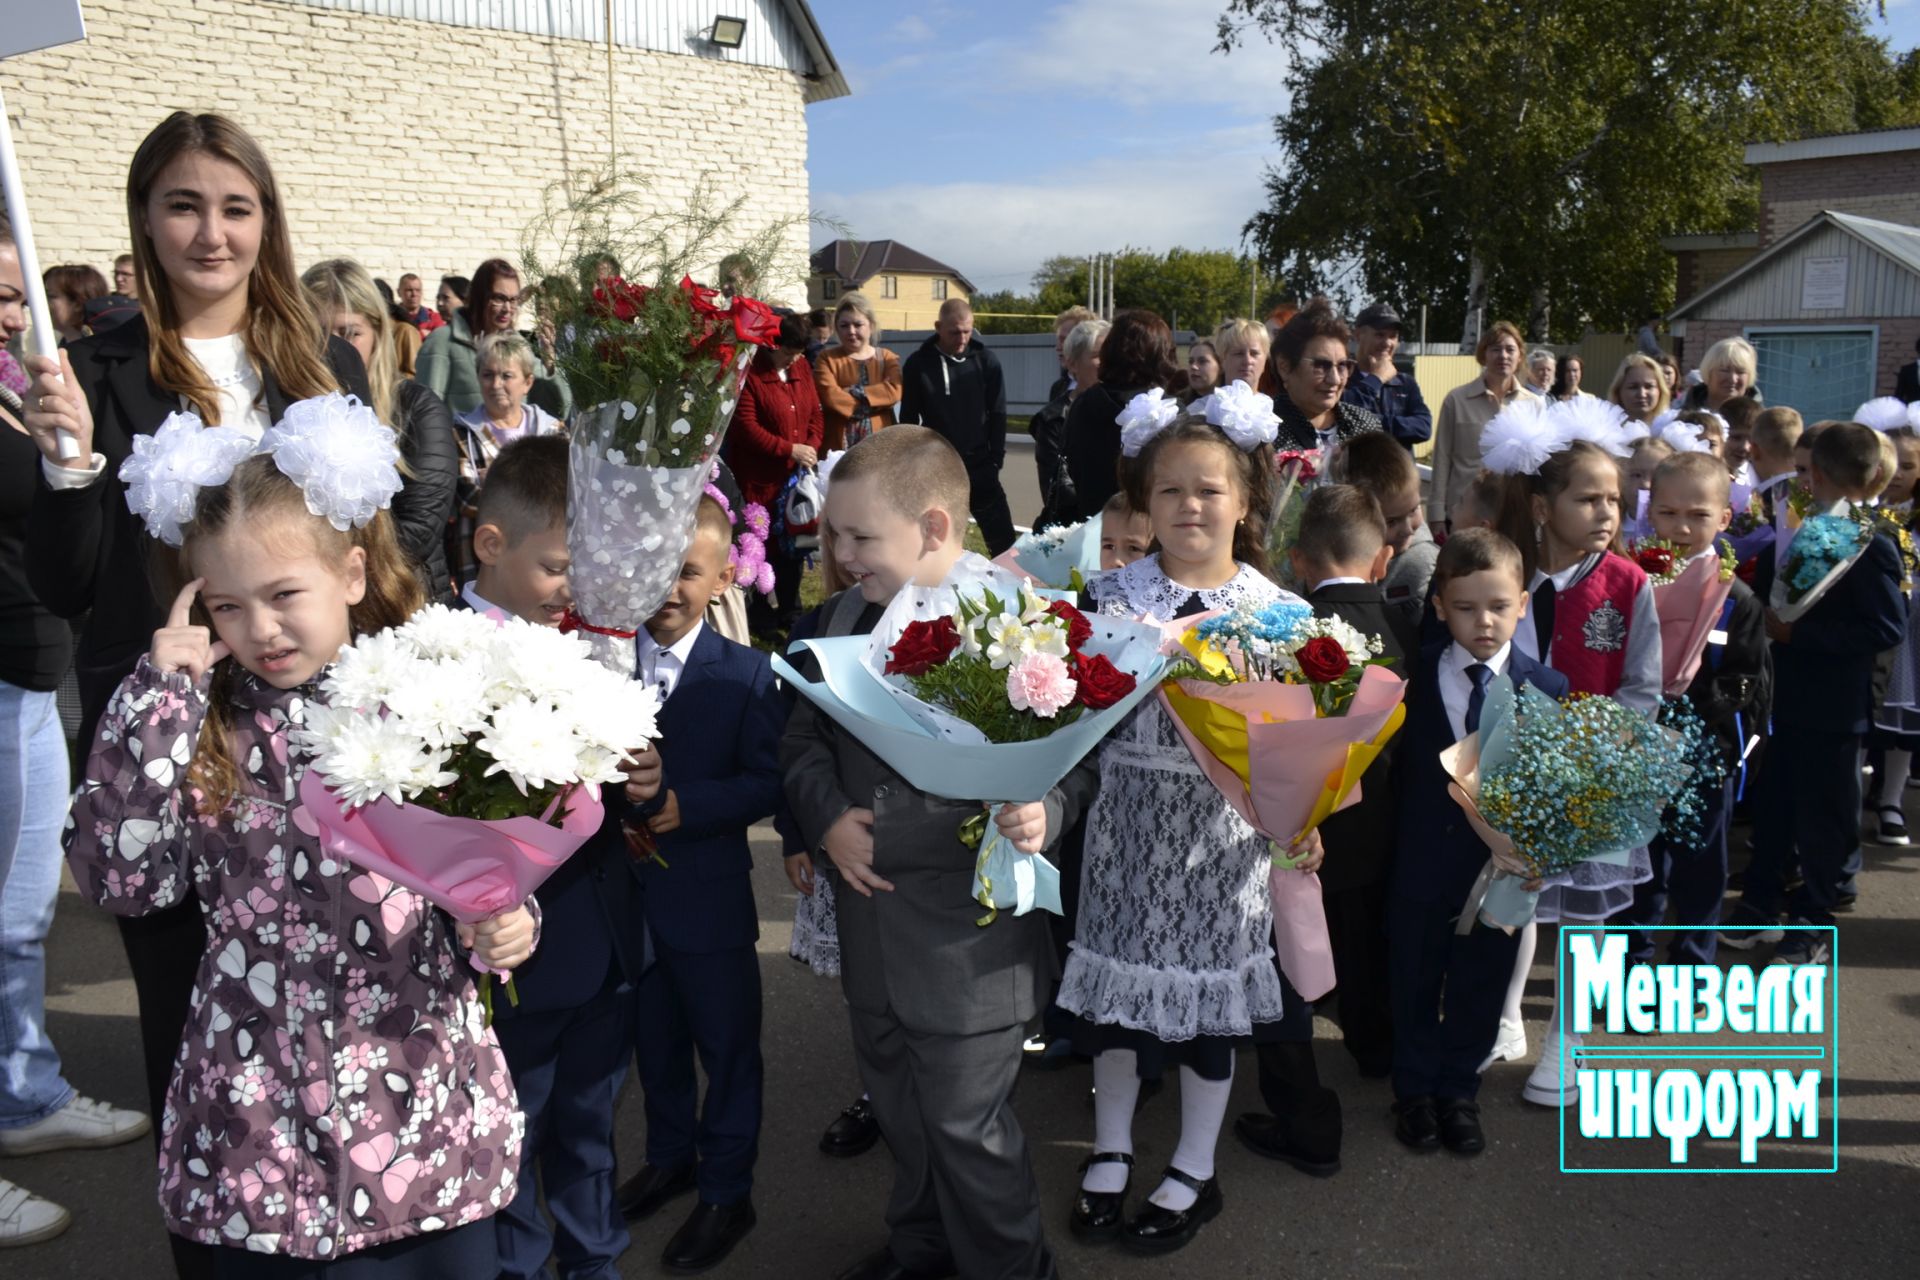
[(1190, 288), (1501, 159)]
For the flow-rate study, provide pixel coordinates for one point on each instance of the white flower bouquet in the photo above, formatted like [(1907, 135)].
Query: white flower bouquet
[(460, 756)]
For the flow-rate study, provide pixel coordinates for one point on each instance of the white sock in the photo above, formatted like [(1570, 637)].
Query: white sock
[(1203, 1109), (1899, 765), (1116, 1089), (1522, 966)]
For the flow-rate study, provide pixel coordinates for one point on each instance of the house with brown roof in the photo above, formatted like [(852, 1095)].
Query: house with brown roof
[(905, 286)]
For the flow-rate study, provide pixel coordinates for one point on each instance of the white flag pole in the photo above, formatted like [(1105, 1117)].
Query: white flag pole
[(44, 341)]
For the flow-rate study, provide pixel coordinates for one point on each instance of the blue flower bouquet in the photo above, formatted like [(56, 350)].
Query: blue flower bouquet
[(1061, 558), (1550, 785), (1822, 550)]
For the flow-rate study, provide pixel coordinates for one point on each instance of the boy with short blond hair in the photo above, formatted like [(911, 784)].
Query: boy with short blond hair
[(939, 1005)]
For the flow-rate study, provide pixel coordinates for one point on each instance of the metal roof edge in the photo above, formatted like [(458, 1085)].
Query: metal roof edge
[(1837, 144)]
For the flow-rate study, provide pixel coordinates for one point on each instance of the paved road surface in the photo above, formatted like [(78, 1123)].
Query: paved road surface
[(1508, 1213)]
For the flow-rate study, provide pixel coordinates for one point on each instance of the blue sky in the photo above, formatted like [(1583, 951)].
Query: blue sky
[(993, 134)]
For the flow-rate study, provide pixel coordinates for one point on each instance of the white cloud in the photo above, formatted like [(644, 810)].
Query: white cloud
[(1194, 190), (1146, 53)]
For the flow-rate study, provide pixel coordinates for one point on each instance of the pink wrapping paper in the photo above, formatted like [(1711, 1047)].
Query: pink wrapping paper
[(1292, 757), (1689, 608), (472, 870)]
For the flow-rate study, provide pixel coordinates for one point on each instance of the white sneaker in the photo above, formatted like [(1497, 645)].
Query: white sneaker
[(83, 1122), (1546, 1087), (1509, 1046), (25, 1218)]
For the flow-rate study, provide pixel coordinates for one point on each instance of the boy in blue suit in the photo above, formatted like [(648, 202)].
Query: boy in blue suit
[(1823, 676), (720, 726), (1480, 593), (567, 1038)]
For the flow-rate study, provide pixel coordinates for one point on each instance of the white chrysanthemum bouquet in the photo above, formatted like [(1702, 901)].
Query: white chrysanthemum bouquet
[(473, 718), (462, 756)]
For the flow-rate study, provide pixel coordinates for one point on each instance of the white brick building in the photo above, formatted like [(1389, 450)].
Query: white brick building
[(418, 135)]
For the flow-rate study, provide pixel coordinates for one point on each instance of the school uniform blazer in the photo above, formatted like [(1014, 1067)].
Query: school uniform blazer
[(720, 748), (1359, 839), (918, 953), (1437, 855), (588, 921), (85, 550), (1823, 675)]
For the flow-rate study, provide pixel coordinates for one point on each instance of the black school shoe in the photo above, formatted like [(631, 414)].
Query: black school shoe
[(1460, 1128), (853, 1131), (1416, 1124), (707, 1236), (1097, 1215), (1158, 1230), (1893, 827), (642, 1195), (1273, 1138)]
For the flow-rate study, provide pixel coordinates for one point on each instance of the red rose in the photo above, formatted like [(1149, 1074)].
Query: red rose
[(700, 298), (1101, 684), (755, 322), (615, 297), (1322, 660), (1747, 569), (922, 647), (1656, 561), (1078, 628)]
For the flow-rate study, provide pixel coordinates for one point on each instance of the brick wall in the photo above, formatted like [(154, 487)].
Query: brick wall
[(432, 179), (1884, 185)]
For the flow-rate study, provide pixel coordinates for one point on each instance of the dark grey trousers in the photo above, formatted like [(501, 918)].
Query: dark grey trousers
[(964, 1196)]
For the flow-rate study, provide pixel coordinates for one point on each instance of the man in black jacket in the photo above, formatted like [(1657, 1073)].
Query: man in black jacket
[(953, 385)]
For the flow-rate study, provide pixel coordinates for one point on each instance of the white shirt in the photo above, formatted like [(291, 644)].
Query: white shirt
[(662, 668), (1456, 686), (477, 602), (225, 362), (1336, 582)]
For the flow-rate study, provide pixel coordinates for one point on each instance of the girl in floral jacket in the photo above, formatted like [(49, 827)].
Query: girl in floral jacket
[(337, 1097)]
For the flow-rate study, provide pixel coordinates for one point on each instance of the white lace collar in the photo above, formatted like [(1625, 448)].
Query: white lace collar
[(1141, 590)]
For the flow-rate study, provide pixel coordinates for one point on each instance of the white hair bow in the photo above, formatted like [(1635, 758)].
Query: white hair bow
[(333, 447), (1244, 415), (1516, 441), (1146, 416)]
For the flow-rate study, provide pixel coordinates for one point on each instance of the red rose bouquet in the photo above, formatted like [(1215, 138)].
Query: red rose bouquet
[(982, 690), (656, 361)]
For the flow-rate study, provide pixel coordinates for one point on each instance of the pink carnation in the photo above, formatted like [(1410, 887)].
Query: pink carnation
[(1039, 683)]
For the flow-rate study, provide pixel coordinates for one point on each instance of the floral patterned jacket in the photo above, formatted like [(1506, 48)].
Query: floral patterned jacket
[(336, 1087)]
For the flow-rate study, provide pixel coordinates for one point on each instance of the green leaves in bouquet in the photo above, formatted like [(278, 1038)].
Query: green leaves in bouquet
[(489, 797)]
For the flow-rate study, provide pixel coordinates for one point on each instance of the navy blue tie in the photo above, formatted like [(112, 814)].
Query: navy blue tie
[(1480, 673)]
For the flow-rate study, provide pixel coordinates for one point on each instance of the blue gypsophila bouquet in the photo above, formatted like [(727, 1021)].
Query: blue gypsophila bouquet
[(1550, 785), (1681, 823)]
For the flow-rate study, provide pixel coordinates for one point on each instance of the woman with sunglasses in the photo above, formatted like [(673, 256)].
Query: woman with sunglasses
[(448, 366), (1310, 357)]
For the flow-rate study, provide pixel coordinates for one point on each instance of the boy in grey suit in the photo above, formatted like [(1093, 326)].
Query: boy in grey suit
[(939, 1004)]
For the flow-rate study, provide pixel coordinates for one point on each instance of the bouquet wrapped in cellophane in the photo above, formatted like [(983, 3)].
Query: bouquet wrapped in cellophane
[(656, 361), (1062, 558), (1283, 712), (461, 755), (1689, 596), (1549, 785), (979, 689)]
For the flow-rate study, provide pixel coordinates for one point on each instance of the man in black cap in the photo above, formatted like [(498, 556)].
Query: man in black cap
[(1378, 385)]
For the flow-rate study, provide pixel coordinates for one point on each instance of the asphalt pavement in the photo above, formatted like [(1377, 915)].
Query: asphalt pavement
[(1510, 1212)]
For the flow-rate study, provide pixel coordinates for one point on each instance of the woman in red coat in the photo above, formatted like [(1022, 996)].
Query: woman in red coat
[(777, 430)]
